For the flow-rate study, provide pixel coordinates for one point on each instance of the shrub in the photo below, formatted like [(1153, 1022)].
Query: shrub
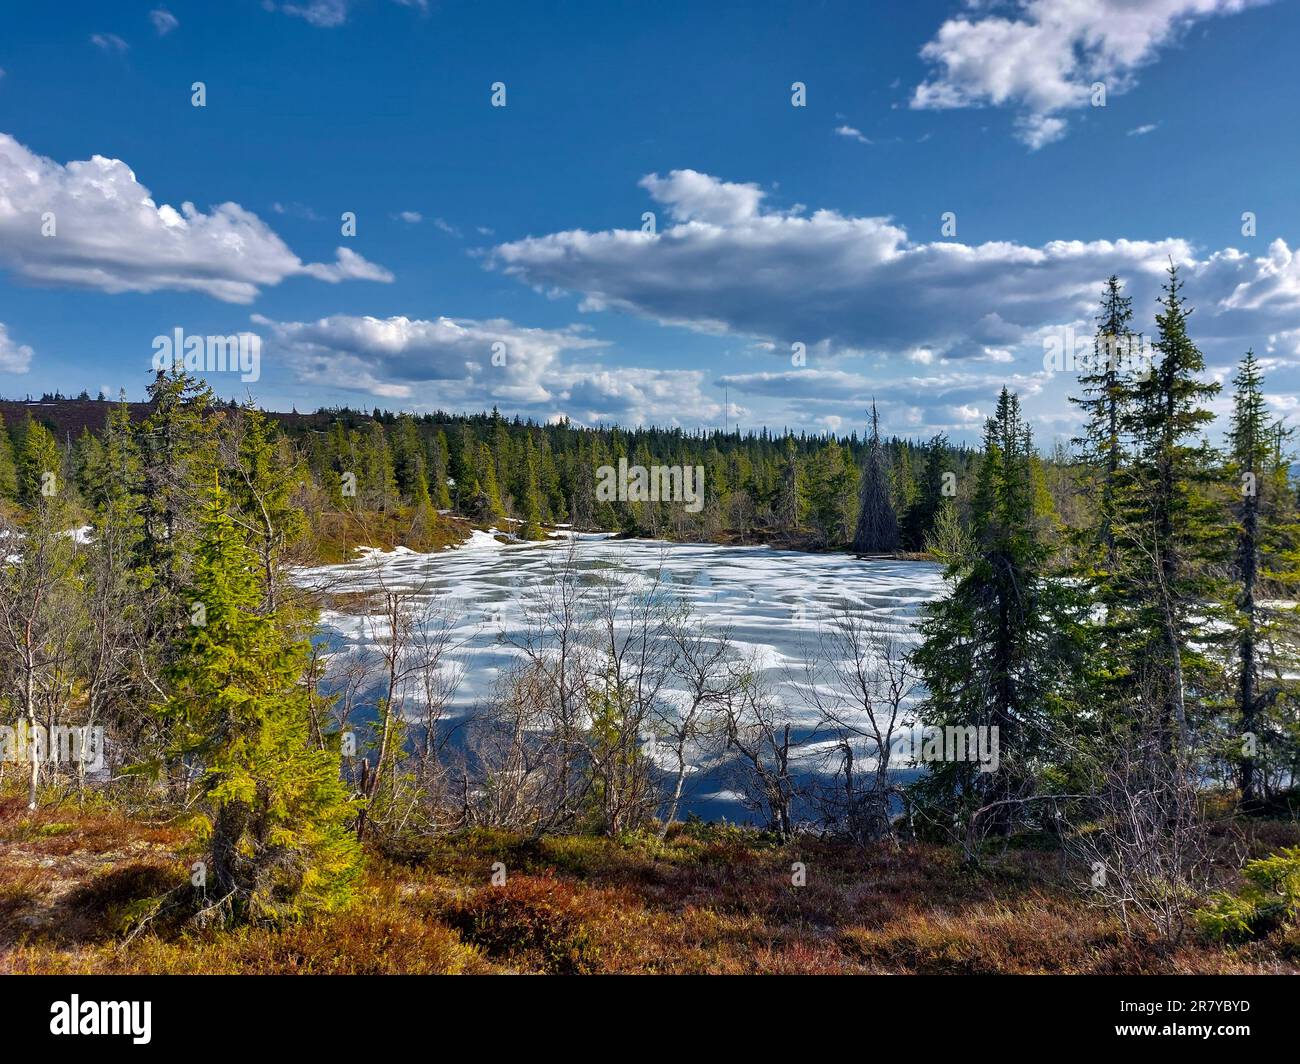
[(534, 921), (1270, 898)]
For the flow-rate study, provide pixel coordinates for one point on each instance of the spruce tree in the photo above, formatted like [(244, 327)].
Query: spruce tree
[(267, 475), (1000, 650), (877, 527), (903, 481), (112, 479), (920, 518), (408, 455), (8, 466), (791, 503), (438, 471), (1168, 526), (532, 510), (376, 479), (1107, 394), (832, 497), (178, 453), (487, 503), (424, 519), (280, 842), (40, 464), (1268, 534)]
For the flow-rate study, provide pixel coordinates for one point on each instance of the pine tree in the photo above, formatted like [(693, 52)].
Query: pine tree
[(877, 528), (280, 843)]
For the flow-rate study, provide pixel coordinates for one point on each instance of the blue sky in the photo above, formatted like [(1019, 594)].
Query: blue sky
[(520, 226)]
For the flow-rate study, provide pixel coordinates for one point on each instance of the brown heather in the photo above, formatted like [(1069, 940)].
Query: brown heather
[(75, 884)]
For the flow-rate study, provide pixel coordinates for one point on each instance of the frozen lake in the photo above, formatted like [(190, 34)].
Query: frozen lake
[(771, 602)]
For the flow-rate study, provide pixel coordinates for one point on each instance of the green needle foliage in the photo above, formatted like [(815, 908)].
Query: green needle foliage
[(1000, 651), (280, 842)]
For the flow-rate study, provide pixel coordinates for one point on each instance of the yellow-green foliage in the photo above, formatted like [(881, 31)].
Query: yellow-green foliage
[(281, 844), (337, 533), (1271, 897)]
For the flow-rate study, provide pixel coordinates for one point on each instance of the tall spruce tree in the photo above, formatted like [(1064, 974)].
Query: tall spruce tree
[(177, 451), (791, 501), (1169, 526), (1001, 649), (832, 497), (40, 464), (1107, 394), (376, 479), (487, 503), (532, 510), (280, 841), (267, 475), (920, 518), (1249, 443), (877, 527), (1268, 536), (438, 453)]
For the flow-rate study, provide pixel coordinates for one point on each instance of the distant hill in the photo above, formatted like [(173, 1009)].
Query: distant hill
[(66, 418)]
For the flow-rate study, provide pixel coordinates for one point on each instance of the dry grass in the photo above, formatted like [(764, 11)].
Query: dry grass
[(335, 535), (709, 900)]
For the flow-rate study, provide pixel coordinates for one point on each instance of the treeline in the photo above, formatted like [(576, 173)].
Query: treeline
[(388, 471), (795, 488)]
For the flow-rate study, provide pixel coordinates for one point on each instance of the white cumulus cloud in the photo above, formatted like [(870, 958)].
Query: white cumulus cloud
[(109, 234), (1045, 57), (14, 357), (862, 285), (872, 306), (465, 363)]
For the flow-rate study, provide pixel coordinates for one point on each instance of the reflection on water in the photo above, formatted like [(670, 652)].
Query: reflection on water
[(771, 602)]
